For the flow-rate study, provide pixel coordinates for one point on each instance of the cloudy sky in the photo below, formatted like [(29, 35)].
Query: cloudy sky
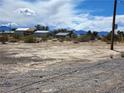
[(75, 14)]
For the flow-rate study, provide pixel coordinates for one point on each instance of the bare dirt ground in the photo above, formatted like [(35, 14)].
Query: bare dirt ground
[(55, 67)]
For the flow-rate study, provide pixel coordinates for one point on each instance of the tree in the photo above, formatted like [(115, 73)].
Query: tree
[(47, 28), (108, 37), (120, 35), (95, 34), (40, 27), (89, 32)]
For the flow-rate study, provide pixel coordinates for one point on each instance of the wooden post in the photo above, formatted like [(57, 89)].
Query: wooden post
[(113, 25)]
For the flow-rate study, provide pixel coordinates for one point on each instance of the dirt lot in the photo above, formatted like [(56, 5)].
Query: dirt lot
[(55, 67)]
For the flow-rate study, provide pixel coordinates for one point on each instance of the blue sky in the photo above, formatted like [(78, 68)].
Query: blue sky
[(75, 14), (101, 7)]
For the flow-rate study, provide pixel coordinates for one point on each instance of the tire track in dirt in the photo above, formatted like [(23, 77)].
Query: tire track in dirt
[(56, 76)]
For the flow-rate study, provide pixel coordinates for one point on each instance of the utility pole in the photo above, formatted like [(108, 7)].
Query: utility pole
[(113, 25)]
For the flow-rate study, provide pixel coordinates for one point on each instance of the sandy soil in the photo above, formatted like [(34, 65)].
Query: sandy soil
[(55, 67)]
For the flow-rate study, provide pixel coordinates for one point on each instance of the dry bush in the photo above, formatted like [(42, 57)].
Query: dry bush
[(4, 38), (30, 39), (11, 39)]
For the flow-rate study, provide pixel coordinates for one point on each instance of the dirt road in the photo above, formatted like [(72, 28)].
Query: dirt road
[(61, 68)]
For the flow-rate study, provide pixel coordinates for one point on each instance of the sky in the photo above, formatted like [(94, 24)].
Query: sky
[(95, 15)]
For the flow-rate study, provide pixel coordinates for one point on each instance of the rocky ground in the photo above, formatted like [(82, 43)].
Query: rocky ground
[(55, 67)]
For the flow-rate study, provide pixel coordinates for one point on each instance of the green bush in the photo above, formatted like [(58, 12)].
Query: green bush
[(30, 39)]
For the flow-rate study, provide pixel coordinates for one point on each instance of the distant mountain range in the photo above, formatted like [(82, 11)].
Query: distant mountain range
[(103, 33), (82, 32), (5, 28)]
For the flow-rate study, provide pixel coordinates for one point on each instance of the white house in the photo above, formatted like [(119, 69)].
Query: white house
[(62, 34), (40, 33), (23, 31)]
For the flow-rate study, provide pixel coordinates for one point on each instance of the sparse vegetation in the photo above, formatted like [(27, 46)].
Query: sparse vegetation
[(119, 37), (3, 38), (44, 38), (71, 67), (15, 36), (11, 39), (87, 37), (83, 38), (30, 39), (90, 36)]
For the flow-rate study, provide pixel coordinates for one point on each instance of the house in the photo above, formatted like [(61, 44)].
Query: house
[(62, 34), (24, 31), (41, 33)]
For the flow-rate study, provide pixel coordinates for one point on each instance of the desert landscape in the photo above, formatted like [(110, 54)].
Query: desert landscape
[(56, 67)]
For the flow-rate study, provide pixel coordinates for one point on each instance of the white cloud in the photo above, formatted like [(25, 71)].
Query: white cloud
[(98, 23), (60, 13), (25, 12)]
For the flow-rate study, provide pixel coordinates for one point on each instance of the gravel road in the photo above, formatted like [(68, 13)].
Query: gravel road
[(60, 76)]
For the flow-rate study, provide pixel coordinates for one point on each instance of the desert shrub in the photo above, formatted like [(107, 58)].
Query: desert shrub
[(30, 39), (84, 38), (67, 39), (60, 39), (108, 37), (3, 38), (11, 39), (46, 37), (15, 36), (104, 39)]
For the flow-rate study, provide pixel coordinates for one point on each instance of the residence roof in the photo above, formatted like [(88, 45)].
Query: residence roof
[(62, 34)]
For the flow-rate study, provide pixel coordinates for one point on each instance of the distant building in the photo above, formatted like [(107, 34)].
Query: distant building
[(24, 31), (41, 33), (64, 34)]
